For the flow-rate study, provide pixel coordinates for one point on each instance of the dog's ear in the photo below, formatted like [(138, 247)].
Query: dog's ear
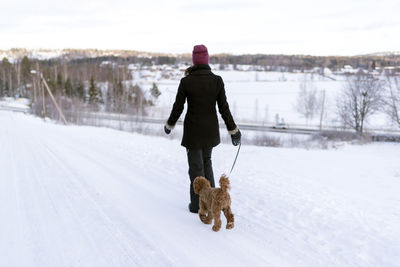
[(200, 183), (196, 185)]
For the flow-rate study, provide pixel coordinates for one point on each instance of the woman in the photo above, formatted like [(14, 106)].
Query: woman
[(203, 90)]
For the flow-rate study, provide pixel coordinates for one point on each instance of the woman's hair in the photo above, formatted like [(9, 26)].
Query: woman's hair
[(188, 70)]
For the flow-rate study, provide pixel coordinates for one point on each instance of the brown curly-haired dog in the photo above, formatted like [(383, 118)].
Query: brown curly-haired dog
[(213, 201)]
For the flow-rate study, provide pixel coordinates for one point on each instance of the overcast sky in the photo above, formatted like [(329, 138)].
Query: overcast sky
[(317, 27)]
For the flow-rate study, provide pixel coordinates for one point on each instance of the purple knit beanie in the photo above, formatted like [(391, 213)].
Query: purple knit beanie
[(200, 54)]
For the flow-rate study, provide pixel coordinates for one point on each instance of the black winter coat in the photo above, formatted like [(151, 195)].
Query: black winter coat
[(203, 90)]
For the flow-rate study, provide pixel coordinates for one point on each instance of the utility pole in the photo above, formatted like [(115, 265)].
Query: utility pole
[(53, 99), (42, 85)]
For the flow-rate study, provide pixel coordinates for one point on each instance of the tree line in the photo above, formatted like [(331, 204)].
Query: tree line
[(269, 62), (304, 62), (106, 84), (362, 95), (83, 84)]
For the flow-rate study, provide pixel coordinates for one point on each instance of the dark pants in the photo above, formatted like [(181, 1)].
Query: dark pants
[(199, 165)]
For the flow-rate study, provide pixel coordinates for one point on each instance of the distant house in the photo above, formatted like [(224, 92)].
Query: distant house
[(146, 74), (348, 69)]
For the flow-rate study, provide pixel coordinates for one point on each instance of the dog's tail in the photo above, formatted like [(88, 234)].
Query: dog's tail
[(224, 183)]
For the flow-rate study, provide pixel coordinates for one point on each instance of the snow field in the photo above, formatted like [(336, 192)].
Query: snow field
[(85, 196), (258, 96)]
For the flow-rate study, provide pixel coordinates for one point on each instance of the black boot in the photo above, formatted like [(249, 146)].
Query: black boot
[(192, 210)]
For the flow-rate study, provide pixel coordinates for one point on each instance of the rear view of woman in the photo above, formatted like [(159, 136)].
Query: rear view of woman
[(202, 90)]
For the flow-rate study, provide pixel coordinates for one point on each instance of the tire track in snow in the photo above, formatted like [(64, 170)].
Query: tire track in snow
[(121, 173), (88, 196), (12, 227)]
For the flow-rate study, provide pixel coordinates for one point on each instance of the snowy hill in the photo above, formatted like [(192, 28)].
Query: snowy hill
[(45, 54), (384, 54), (84, 196)]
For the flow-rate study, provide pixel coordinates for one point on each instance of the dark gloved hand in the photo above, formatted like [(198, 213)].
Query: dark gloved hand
[(236, 138), (167, 130)]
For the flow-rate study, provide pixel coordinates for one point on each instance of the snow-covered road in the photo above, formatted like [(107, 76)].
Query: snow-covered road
[(85, 196)]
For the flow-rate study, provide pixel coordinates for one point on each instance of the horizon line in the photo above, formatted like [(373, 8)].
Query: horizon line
[(377, 54)]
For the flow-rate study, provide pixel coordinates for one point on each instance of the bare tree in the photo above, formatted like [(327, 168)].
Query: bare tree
[(360, 98), (392, 100), (307, 101), (322, 107)]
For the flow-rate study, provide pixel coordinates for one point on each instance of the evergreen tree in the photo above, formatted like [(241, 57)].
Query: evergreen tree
[(119, 88), (6, 68), (68, 88), (26, 70), (154, 91), (5, 64), (80, 91), (93, 93), (6, 90)]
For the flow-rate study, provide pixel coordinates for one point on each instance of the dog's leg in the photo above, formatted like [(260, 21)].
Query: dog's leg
[(229, 218), (209, 218), (216, 213), (202, 212)]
